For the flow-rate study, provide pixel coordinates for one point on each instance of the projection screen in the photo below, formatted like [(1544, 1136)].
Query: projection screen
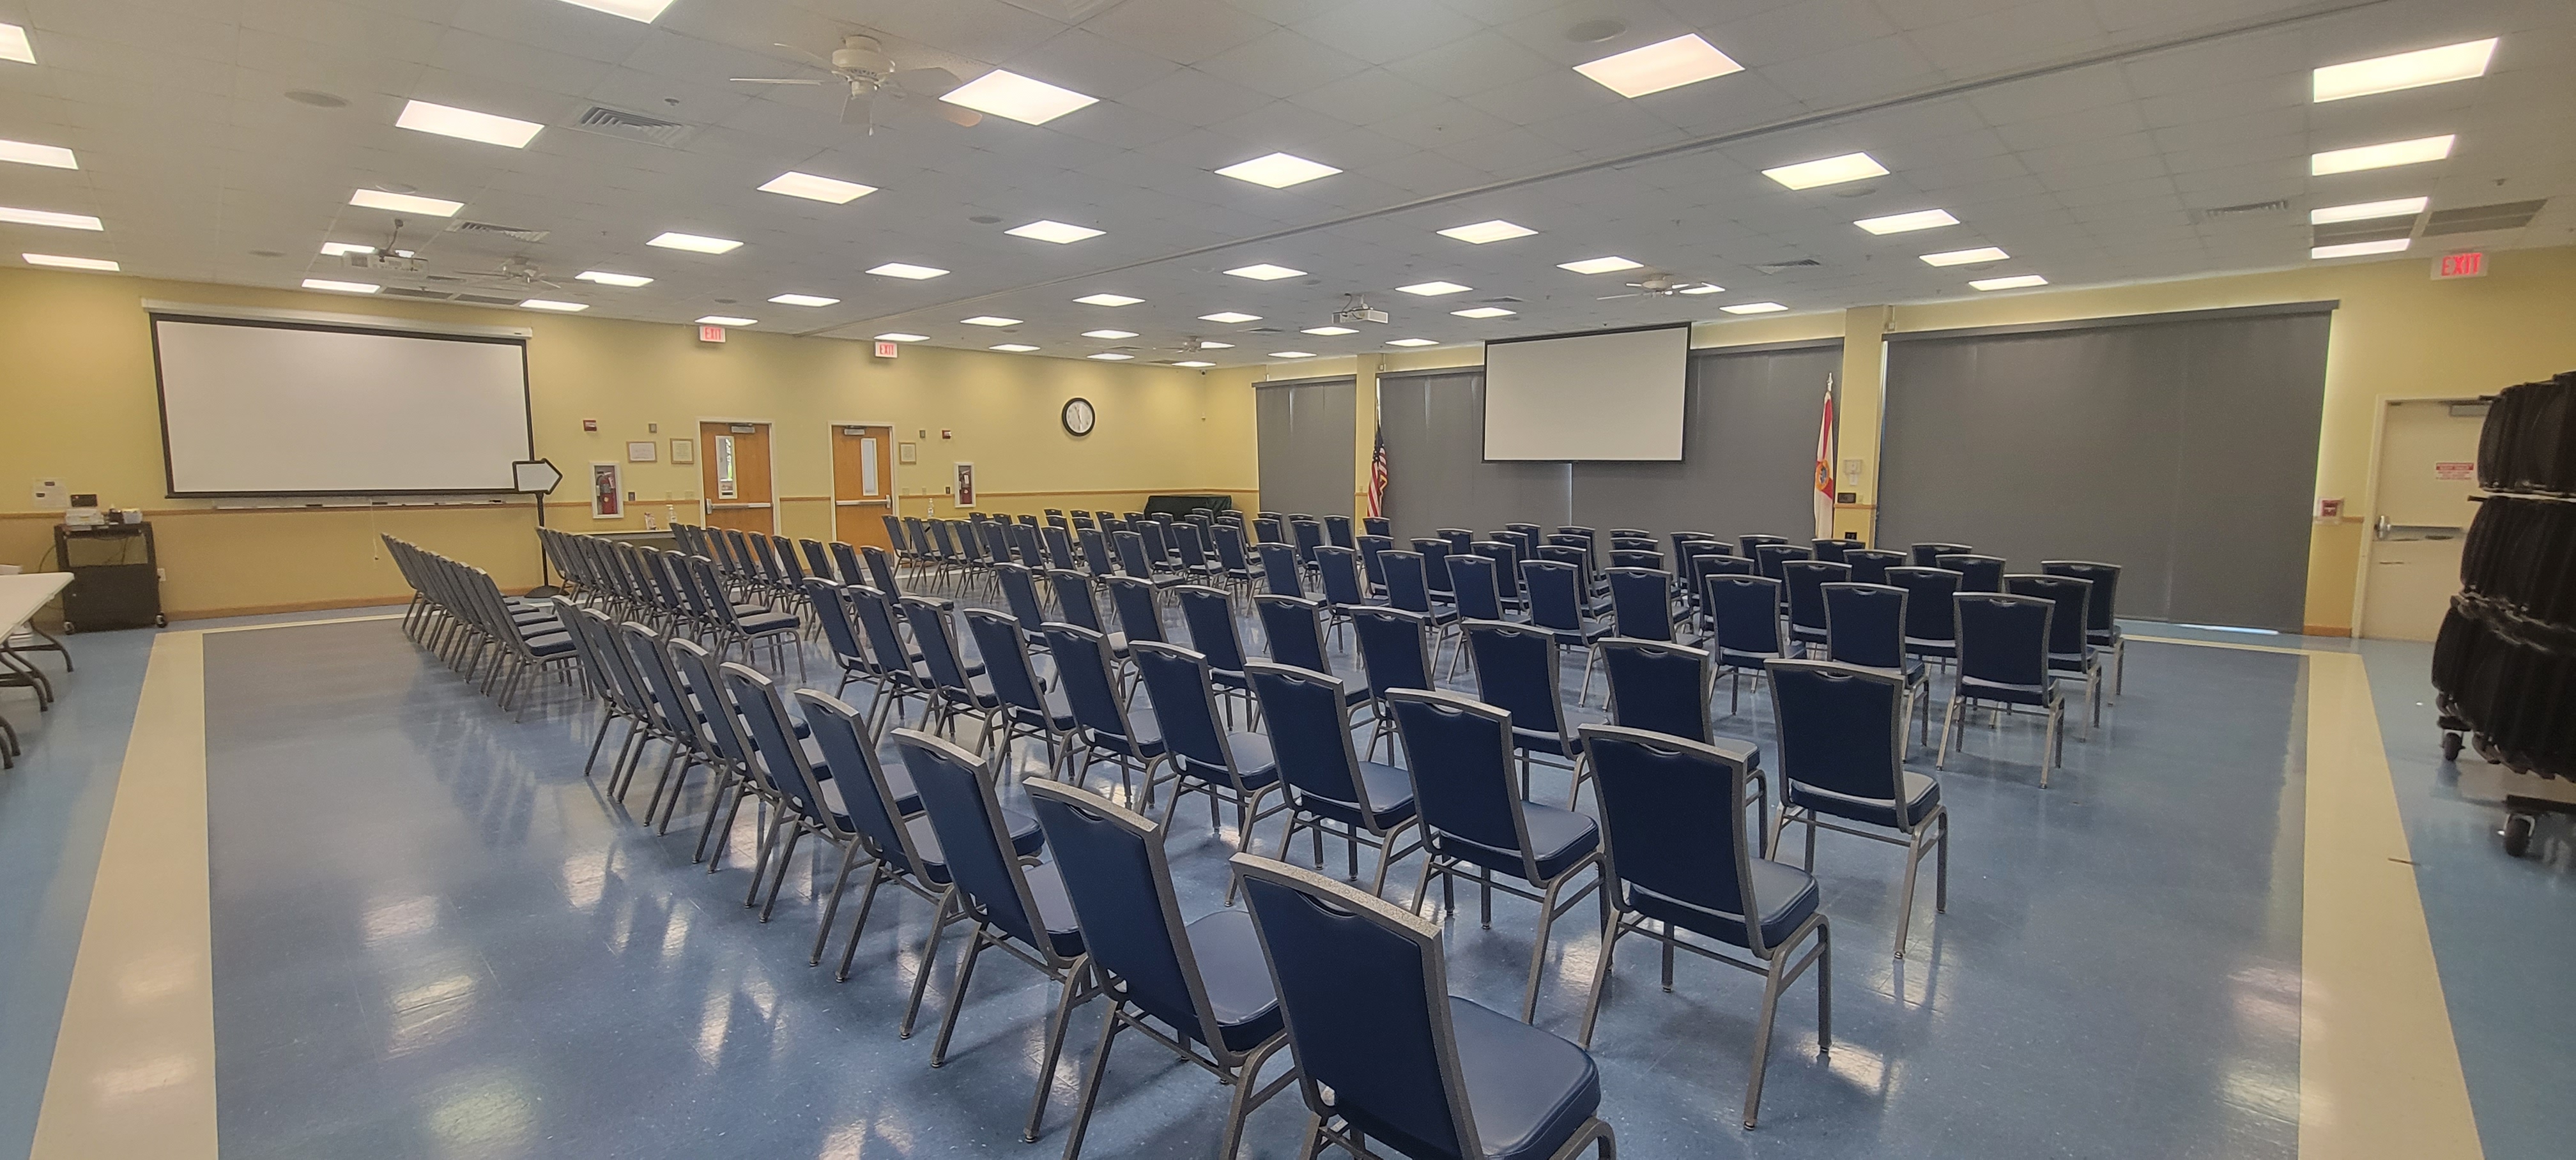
[(1609, 395), (261, 407)]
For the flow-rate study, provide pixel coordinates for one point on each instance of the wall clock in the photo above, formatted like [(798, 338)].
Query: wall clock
[(1079, 418)]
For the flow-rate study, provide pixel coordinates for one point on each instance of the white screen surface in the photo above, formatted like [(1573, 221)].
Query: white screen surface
[(1588, 396), (273, 408)]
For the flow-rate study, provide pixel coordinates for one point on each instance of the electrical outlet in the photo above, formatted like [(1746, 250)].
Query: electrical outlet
[(161, 574)]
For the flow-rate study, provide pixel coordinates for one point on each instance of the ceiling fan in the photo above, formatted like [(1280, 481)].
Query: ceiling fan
[(517, 271), (1656, 283), (861, 63)]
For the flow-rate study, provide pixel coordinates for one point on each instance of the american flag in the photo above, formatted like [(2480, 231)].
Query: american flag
[(1377, 477)]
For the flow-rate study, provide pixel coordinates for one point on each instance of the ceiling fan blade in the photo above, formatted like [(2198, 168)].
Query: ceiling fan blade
[(775, 81), (803, 55), (1608, 297), (925, 82), (958, 114)]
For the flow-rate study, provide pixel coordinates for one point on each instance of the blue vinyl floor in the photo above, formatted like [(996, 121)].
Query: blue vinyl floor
[(434, 937)]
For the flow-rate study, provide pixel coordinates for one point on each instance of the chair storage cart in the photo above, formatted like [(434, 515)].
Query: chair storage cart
[(2504, 666)]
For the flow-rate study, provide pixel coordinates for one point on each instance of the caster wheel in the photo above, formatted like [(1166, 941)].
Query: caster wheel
[(2517, 834), (70, 628), (159, 621), (2450, 747)]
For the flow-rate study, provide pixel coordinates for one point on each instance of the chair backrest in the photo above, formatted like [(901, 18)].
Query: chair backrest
[(1842, 728), (1269, 529), (789, 569), (1555, 594), (1337, 532), (1976, 573), (1641, 603), (1120, 883), (1672, 822), (1647, 557), (1767, 558), (1746, 610), (1158, 548), (2072, 595), (1229, 549), (841, 735), (1929, 555), (1865, 625), (1004, 646), (818, 558), (1187, 540), (1460, 751), (1472, 585), (1308, 534), (1658, 686), (1176, 680), (1406, 587), (846, 566), (1870, 565), (1295, 629), (1132, 559), (1372, 547), (1806, 580), (2099, 610), (1341, 571), (1279, 571), (773, 741), (1460, 540), (661, 682), (1507, 566), (2003, 639), (1073, 598), (1059, 544), (886, 649), (1140, 616), (1395, 647), (834, 616), (1020, 593), (1378, 526), (1307, 715), (1435, 564), (1831, 549), (974, 836), (1746, 544), (935, 640), (1516, 671), (1365, 996), (697, 669), (1930, 616), (1096, 557), (1209, 614)]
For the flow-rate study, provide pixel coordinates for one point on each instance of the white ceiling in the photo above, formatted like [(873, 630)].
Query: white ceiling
[(2089, 174)]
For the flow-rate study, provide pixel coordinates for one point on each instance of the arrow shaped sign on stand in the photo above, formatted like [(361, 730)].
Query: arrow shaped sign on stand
[(537, 476)]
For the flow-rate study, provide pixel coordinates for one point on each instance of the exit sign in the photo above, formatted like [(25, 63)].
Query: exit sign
[(711, 334), (886, 350), (2472, 264)]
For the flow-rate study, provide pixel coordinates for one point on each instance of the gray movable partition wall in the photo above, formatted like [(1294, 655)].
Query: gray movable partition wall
[(2182, 447), (1308, 461), (1748, 454)]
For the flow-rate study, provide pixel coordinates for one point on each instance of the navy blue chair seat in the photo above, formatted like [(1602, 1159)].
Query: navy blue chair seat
[(1558, 839), (1528, 1089), (1789, 895), (1922, 794), (1228, 951), (1055, 908), (766, 621), (1390, 795), (1145, 744)]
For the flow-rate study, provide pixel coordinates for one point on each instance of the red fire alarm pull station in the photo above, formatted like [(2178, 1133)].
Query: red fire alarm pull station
[(711, 334), (2472, 264), (590, 424), (886, 349)]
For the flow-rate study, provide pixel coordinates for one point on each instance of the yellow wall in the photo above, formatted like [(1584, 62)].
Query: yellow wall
[(77, 390)]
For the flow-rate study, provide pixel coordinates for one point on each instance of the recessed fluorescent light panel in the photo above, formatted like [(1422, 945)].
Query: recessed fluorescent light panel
[(812, 188), (1827, 171), (991, 320), (450, 121), (641, 10), (339, 249), (60, 262), (2357, 249), (1702, 288), (343, 287), (46, 217), (1193, 363), (906, 270), (1411, 342), (559, 307), (1229, 317), (1483, 312), (803, 300), (1049, 231), (1008, 94), (1013, 347), (2016, 282), (1433, 289), (2380, 156), (1107, 300), (1898, 223), (695, 243), (605, 278), (1753, 308), (1205, 344), (899, 336), (28, 153), (1965, 257), (1108, 334), (1278, 170), (14, 46), (727, 320), (1292, 354), (2365, 211), (1112, 356), (1480, 233), (1599, 265), (405, 203), (1667, 64), (1264, 272), (2405, 70), (1328, 331)]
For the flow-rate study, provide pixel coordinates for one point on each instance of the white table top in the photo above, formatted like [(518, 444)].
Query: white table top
[(23, 594)]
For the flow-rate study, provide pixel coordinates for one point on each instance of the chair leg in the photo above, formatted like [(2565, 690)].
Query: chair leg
[(929, 953), (832, 905), (1090, 1093), (1949, 724), (867, 902), (1771, 986), (1583, 696), (957, 996), (1538, 953), (1072, 996), (795, 834), (1905, 899), (1600, 980)]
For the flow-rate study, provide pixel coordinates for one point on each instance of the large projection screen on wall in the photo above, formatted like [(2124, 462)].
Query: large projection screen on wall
[(1612, 395), (262, 407)]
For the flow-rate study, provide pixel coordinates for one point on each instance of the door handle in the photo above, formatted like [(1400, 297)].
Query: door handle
[(2409, 532)]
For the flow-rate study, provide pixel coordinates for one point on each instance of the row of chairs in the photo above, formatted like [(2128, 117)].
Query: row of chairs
[(461, 616)]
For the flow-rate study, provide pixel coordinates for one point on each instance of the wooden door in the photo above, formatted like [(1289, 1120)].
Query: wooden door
[(733, 467), (862, 484), (2428, 454)]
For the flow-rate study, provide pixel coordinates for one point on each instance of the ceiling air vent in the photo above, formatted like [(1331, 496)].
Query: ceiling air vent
[(1780, 267), (518, 233), (2511, 215), (408, 292), (2247, 209), (486, 300), (651, 130), (1069, 11)]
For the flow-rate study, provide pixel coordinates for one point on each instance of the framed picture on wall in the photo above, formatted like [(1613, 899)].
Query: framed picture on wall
[(642, 451), (965, 485), (907, 453), (684, 451), (607, 492)]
